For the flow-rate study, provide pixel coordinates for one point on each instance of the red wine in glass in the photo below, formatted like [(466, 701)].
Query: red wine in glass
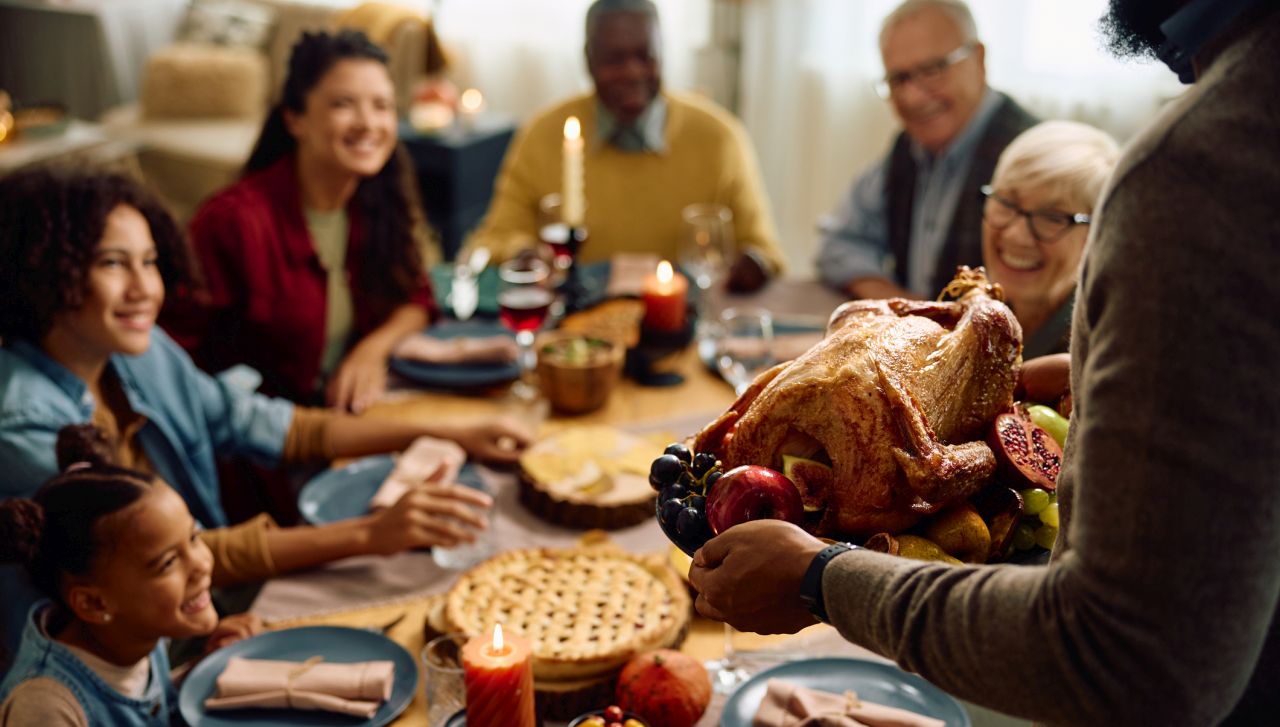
[(525, 308)]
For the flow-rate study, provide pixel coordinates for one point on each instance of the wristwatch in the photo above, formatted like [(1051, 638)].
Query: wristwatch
[(811, 584)]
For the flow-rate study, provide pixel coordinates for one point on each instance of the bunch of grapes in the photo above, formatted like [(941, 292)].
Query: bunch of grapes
[(683, 480), (1039, 526)]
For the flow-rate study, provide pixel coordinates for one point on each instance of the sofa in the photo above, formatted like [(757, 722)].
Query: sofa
[(203, 102)]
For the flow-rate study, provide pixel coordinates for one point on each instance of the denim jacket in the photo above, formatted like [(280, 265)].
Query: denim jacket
[(41, 656), (191, 417)]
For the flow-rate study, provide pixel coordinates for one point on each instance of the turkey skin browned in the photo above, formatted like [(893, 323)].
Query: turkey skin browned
[(897, 397)]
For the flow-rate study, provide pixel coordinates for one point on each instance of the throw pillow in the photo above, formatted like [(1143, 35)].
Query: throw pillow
[(228, 22)]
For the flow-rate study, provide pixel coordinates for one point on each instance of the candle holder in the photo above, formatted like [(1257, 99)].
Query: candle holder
[(575, 293), (647, 362)]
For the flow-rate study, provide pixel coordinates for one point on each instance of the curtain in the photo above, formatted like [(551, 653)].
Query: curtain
[(807, 98)]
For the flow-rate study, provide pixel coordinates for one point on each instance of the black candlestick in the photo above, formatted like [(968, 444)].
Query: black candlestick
[(576, 296)]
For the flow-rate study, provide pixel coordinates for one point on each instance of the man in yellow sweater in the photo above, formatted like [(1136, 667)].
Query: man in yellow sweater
[(649, 153)]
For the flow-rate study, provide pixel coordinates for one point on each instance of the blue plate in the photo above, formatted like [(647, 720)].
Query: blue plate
[(344, 492), (459, 375), (873, 681), (335, 643)]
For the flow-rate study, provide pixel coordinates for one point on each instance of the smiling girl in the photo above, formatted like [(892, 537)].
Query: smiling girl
[(85, 260), (117, 555)]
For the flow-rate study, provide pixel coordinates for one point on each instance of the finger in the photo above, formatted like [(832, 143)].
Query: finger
[(706, 609), (341, 387), (713, 552), (466, 495), (503, 452)]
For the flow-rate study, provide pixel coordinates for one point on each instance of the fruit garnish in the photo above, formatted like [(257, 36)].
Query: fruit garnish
[(1028, 455), (682, 479), (752, 492), (1051, 421), (813, 479)]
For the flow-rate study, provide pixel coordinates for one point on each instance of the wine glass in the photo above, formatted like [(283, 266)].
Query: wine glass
[(706, 245), (523, 301), (744, 345)]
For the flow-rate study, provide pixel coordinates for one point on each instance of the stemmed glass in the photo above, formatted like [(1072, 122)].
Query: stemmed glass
[(743, 350), (523, 301), (705, 247), (744, 346)]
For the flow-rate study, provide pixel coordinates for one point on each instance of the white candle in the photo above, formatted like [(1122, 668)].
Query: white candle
[(574, 205)]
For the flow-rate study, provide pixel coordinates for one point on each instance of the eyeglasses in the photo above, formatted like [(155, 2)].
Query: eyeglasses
[(1000, 212), (926, 74)]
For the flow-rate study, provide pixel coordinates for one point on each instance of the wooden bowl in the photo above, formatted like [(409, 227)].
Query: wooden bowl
[(576, 372)]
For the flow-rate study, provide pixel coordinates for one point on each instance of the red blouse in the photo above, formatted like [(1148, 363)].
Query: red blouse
[(265, 291)]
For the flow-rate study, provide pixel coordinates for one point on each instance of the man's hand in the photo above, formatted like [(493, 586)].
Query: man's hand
[(747, 274), (232, 629), (749, 576)]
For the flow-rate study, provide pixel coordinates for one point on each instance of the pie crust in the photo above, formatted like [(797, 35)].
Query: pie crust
[(586, 610)]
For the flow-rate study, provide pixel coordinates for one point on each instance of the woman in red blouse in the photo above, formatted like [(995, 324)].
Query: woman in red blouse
[(313, 261)]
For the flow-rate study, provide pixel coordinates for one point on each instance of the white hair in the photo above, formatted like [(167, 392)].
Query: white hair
[(1070, 160), (955, 10)]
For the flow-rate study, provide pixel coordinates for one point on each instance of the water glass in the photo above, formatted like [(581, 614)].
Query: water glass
[(466, 555), (446, 690), (744, 345)]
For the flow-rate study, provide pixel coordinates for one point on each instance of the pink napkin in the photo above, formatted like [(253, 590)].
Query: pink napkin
[(485, 349), (356, 689), (426, 460), (788, 705)]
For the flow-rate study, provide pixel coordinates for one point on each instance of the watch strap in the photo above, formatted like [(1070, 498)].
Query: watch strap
[(811, 584)]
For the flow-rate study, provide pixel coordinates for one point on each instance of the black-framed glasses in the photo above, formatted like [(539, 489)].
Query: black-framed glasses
[(926, 74), (1000, 212)]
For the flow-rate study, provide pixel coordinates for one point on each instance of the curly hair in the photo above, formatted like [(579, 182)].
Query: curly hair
[(58, 532), (396, 226), (51, 220)]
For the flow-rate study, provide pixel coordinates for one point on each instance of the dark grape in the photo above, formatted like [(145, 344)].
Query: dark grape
[(671, 510), (698, 502), (679, 451), (702, 463), (685, 479), (712, 478), (675, 492), (690, 523), (665, 470)]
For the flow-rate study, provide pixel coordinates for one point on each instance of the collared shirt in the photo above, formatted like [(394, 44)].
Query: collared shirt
[(647, 134), (855, 240)]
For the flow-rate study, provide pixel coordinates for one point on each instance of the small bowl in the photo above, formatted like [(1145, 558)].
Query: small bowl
[(576, 372), (577, 721)]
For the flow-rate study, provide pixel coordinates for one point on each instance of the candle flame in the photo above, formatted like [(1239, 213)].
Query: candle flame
[(497, 638), (665, 273), (471, 100), (572, 128)]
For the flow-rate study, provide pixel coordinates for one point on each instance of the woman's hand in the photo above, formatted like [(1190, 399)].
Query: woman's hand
[(500, 440), (232, 629), (749, 576), (427, 516), (360, 380)]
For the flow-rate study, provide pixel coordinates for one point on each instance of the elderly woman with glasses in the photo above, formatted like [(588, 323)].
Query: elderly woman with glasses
[(1036, 220)]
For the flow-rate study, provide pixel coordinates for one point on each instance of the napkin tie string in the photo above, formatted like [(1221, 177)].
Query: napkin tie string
[(296, 672)]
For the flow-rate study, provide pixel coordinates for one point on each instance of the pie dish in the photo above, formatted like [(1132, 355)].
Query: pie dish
[(589, 477), (585, 610)]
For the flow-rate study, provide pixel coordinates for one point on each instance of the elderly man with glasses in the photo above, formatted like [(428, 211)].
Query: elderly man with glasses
[(915, 215)]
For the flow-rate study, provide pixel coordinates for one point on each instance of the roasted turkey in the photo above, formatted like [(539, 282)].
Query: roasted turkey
[(897, 397)]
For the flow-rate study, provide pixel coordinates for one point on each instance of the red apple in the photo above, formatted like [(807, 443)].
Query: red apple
[(752, 492)]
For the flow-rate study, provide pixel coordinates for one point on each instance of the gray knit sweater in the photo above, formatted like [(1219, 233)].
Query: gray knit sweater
[(1160, 604)]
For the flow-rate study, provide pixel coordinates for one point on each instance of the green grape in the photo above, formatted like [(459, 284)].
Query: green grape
[(1024, 537), (1049, 515), (1034, 500), (1045, 535), (1050, 421)]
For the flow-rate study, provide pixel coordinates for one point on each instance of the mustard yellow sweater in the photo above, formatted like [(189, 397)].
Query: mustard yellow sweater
[(634, 200)]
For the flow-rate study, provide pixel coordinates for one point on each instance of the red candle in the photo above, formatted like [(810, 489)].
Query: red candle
[(498, 673), (665, 293)]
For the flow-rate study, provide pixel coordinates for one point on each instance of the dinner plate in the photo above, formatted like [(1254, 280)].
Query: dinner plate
[(594, 277), (459, 375), (336, 644), (873, 681), (342, 493)]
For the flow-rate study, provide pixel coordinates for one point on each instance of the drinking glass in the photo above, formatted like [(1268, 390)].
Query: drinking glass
[(523, 301), (706, 246), (466, 555), (727, 673), (554, 233), (744, 345), (446, 690)]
